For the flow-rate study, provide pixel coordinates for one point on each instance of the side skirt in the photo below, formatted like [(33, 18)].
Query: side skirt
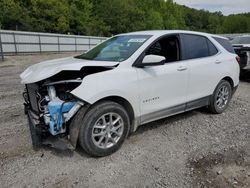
[(198, 103), (162, 114), (175, 110)]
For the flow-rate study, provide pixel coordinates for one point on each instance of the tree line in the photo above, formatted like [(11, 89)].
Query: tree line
[(110, 17)]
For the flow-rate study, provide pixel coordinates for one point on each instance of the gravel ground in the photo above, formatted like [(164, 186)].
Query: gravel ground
[(194, 149)]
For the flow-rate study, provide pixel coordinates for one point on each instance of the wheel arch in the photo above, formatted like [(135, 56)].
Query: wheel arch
[(213, 108), (124, 103), (230, 80), (74, 128)]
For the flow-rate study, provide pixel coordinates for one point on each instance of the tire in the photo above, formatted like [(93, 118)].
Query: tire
[(221, 97), (94, 138)]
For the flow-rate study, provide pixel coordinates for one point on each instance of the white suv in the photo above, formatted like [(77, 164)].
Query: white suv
[(101, 96)]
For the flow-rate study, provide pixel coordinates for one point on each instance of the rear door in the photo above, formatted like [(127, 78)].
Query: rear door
[(204, 62)]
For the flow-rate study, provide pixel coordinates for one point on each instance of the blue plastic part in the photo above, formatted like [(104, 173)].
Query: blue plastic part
[(56, 109)]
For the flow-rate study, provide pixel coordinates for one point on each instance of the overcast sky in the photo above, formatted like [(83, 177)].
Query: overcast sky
[(225, 6)]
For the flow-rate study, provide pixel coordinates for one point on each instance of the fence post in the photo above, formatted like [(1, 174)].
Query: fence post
[(89, 43), (58, 42), (39, 40), (14, 37), (75, 45), (1, 48)]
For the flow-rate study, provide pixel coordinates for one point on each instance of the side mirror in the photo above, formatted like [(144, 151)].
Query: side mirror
[(152, 60)]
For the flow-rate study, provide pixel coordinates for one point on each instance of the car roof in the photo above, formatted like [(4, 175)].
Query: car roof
[(164, 32)]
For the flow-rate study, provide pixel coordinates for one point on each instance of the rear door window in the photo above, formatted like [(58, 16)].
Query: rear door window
[(194, 46), (225, 43)]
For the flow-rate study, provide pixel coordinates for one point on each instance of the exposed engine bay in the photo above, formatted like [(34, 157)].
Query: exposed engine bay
[(49, 104)]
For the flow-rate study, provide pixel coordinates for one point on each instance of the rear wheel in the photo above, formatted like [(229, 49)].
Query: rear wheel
[(104, 128), (220, 99)]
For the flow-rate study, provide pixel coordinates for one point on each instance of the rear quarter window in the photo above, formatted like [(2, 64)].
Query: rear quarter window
[(225, 43), (212, 49)]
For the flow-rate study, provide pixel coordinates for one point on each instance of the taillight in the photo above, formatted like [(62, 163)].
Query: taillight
[(237, 59)]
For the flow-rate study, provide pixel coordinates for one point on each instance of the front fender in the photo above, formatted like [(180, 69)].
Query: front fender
[(110, 83)]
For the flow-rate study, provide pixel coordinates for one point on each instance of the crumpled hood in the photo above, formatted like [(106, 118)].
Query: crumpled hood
[(49, 68)]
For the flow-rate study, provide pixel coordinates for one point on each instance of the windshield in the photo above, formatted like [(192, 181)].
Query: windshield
[(241, 40), (118, 48)]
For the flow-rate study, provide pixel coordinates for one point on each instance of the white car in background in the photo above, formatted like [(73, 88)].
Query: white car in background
[(101, 96)]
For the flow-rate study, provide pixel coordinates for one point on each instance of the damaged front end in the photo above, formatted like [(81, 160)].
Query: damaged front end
[(50, 107), (49, 103)]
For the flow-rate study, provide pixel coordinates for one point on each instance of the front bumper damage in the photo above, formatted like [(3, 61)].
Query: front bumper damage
[(52, 126), (41, 137), (49, 104)]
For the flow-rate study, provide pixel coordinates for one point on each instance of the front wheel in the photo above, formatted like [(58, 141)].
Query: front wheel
[(221, 97), (103, 128)]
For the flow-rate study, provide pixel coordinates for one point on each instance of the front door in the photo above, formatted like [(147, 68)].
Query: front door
[(163, 89)]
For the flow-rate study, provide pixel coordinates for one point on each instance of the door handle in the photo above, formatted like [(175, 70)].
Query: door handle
[(182, 68), (217, 62)]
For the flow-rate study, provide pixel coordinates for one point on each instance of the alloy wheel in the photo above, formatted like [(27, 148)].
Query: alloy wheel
[(107, 130), (222, 97)]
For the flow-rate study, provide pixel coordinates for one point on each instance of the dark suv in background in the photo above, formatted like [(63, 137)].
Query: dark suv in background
[(241, 46)]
